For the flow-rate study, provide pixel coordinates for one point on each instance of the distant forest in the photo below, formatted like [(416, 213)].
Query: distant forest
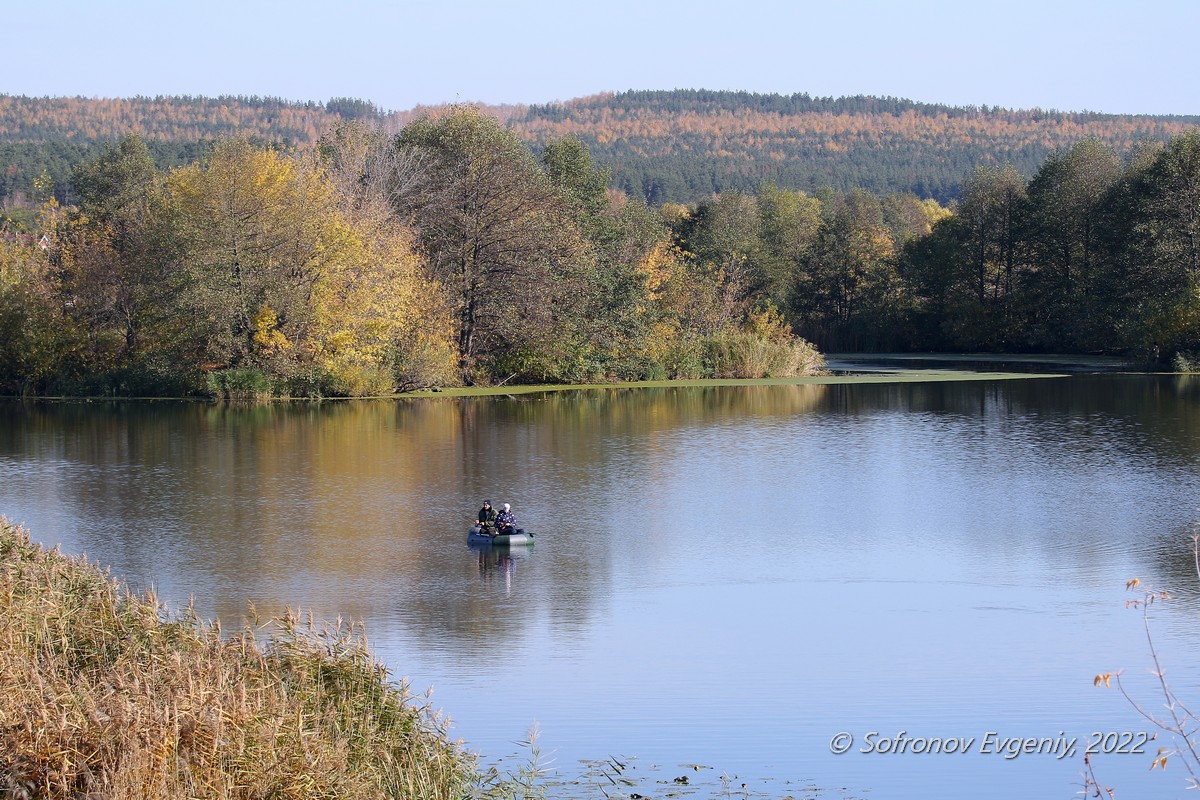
[(683, 146), (662, 146)]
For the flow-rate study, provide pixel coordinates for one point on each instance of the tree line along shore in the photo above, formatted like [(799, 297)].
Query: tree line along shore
[(448, 254)]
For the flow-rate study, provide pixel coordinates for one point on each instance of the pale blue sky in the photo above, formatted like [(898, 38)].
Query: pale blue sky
[(1117, 56)]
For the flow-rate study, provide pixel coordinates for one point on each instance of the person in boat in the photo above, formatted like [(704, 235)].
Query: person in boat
[(505, 521), (487, 518)]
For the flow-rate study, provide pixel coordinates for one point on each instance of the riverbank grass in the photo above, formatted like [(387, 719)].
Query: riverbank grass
[(105, 694)]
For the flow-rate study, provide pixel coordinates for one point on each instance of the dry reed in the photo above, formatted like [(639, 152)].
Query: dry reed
[(105, 695)]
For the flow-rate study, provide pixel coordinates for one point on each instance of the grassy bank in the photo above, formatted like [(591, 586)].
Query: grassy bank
[(105, 694), (901, 368)]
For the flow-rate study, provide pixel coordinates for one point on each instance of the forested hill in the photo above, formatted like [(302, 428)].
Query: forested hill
[(684, 145), (80, 120), (678, 145), (43, 138)]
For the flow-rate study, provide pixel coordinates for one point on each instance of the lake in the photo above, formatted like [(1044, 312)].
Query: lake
[(725, 577)]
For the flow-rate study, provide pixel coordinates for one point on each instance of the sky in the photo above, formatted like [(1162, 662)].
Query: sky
[(1112, 56)]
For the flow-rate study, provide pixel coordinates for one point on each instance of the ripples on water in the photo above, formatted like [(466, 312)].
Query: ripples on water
[(724, 576)]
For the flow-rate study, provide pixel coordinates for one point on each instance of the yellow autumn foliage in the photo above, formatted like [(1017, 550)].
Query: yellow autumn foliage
[(372, 305), (934, 211), (293, 278), (660, 266), (267, 335)]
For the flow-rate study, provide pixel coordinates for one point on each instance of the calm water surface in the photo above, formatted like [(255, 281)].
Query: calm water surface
[(724, 578)]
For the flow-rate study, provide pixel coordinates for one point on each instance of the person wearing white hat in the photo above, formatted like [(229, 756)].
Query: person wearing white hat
[(505, 521)]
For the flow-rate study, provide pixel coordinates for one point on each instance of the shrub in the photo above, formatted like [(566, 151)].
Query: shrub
[(683, 359), (357, 380), (1186, 361), (426, 361), (238, 384), (744, 354), (1180, 740)]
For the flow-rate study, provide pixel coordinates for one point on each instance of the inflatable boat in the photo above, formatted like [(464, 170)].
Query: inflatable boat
[(477, 536)]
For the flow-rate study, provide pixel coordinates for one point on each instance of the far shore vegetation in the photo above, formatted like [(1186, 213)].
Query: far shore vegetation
[(450, 254), (105, 693)]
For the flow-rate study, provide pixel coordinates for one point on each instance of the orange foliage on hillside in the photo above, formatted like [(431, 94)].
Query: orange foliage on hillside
[(42, 119), (749, 132)]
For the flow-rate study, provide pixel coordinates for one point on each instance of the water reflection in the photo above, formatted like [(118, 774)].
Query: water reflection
[(496, 564), (266, 501), (722, 573)]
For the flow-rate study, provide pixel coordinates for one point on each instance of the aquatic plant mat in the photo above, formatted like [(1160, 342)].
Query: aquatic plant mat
[(622, 776), (105, 694), (894, 376), (858, 369)]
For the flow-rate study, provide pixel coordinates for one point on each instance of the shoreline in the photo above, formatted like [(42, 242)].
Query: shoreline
[(851, 368), (896, 376)]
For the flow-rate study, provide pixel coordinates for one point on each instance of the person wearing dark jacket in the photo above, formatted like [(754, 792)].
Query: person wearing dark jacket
[(505, 521), (487, 518)]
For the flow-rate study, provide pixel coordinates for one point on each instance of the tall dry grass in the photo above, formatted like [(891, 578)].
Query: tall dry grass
[(745, 354), (106, 695)]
